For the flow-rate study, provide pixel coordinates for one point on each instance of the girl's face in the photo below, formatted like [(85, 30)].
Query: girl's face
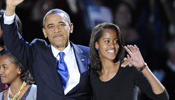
[(108, 45), (9, 72)]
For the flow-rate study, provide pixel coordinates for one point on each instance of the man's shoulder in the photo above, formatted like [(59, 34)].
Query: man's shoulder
[(39, 42), (82, 47)]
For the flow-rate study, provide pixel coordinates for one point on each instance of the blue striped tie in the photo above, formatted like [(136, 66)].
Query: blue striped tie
[(62, 70)]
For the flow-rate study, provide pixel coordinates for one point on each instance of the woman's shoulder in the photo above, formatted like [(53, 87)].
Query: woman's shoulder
[(129, 70), (93, 76), (1, 94), (33, 93), (33, 87)]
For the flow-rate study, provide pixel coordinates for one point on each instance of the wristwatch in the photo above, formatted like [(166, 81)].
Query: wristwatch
[(143, 67)]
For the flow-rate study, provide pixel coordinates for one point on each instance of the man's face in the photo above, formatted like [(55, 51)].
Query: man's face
[(57, 30)]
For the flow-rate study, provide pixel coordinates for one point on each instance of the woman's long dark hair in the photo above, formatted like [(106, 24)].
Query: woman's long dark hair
[(96, 34)]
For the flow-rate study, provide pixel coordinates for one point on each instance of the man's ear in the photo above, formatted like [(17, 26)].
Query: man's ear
[(44, 32), (71, 28)]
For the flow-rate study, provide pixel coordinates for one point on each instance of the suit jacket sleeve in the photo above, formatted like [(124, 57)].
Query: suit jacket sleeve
[(16, 44)]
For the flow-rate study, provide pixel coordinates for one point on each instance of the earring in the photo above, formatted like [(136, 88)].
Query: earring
[(96, 48), (19, 72), (71, 31)]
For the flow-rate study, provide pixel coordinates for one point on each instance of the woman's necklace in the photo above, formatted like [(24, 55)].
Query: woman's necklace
[(10, 96)]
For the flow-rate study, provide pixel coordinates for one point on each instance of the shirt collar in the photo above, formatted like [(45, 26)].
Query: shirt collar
[(67, 50)]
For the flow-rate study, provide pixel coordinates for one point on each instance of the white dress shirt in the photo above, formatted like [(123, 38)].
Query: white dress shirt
[(69, 58)]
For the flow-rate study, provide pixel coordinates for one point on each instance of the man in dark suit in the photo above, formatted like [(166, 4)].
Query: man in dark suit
[(42, 59)]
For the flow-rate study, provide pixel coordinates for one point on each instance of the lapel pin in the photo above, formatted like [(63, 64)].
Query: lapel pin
[(82, 59)]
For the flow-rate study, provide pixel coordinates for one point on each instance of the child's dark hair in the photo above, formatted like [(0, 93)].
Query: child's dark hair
[(25, 74)]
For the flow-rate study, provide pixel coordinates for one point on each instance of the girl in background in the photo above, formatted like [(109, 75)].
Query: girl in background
[(109, 81), (20, 82)]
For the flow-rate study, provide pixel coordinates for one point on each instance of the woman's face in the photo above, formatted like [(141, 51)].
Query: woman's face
[(108, 45), (9, 72)]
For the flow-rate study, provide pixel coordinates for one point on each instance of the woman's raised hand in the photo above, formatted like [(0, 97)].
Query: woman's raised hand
[(134, 56)]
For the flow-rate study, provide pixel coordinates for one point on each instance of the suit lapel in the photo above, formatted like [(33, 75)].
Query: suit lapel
[(56, 85), (81, 59), (82, 66)]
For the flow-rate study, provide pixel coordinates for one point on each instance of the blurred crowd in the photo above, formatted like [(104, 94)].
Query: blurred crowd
[(150, 24)]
